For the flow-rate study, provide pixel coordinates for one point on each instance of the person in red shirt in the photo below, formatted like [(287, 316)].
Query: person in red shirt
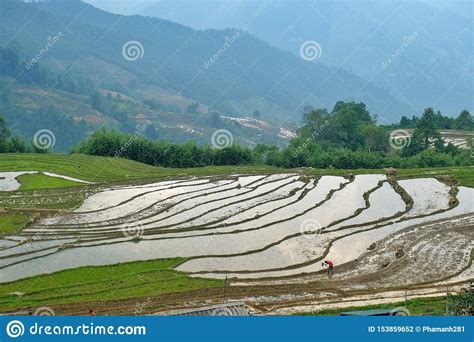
[(330, 265)]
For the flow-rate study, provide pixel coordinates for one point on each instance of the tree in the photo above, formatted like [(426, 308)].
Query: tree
[(216, 120), (193, 108), (4, 133), (375, 138), (405, 122), (96, 101), (426, 128), (464, 121), (345, 122), (16, 145)]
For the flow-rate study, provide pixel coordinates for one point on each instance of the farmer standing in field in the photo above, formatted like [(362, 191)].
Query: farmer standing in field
[(330, 266)]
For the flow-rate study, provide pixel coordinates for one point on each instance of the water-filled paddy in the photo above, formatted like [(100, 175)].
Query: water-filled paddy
[(239, 226)]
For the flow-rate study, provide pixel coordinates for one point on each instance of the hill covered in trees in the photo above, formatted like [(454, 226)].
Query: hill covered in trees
[(347, 137), (416, 50), (63, 65), (34, 97)]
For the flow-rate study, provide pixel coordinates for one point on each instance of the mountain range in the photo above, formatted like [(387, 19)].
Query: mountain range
[(421, 52), (186, 81)]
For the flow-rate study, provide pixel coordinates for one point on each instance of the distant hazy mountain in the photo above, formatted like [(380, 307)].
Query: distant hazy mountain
[(420, 51), (228, 70)]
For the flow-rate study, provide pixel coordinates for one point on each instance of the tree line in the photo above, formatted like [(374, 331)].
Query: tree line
[(14, 143), (347, 137), (463, 121), (161, 153)]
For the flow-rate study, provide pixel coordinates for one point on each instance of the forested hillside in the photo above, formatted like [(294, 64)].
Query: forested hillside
[(347, 137), (63, 62), (420, 51)]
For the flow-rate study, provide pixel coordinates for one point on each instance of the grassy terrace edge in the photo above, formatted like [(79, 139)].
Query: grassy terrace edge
[(121, 281), (110, 169), (422, 306), (38, 181)]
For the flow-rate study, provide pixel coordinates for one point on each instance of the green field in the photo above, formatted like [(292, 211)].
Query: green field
[(435, 306), (93, 169), (10, 223), (100, 283), (102, 169), (41, 181), (110, 169)]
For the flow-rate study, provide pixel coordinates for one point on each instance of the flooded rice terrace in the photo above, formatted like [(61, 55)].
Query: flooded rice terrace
[(258, 227)]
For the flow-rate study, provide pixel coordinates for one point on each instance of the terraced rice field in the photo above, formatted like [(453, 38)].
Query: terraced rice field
[(261, 229)]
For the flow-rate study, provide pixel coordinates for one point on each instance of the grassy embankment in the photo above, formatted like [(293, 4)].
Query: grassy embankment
[(38, 181), (435, 306), (100, 283), (11, 223), (104, 170), (109, 169)]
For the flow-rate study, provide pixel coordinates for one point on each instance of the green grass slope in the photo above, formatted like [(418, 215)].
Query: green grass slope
[(430, 306), (42, 181), (100, 283), (109, 169), (11, 222), (88, 168)]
